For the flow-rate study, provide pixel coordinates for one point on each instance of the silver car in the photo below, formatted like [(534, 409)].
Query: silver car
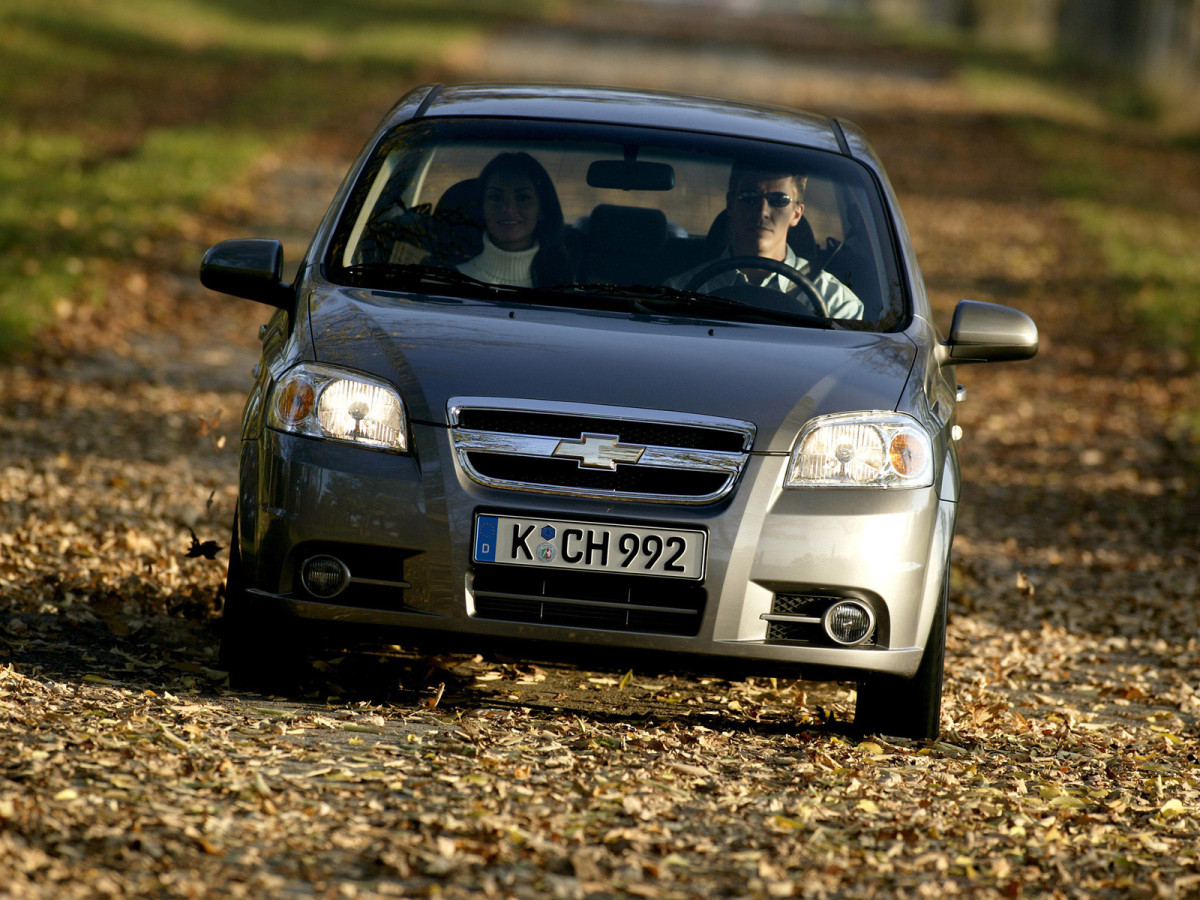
[(649, 375)]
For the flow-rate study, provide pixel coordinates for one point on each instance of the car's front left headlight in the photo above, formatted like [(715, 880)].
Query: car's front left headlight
[(866, 449), (339, 405)]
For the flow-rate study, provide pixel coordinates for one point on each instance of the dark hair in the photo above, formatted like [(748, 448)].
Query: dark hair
[(742, 170), (550, 265)]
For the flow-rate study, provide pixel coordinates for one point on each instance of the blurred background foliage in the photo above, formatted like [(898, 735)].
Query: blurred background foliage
[(123, 123), (1106, 94), (120, 121), (1151, 46)]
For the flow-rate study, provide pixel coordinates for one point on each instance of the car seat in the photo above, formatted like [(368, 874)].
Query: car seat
[(623, 245), (456, 226)]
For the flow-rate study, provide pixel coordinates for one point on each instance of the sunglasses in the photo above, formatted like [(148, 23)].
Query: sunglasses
[(775, 199)]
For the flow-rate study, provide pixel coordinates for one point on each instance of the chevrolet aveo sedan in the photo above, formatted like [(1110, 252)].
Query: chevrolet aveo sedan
[(646, 374)]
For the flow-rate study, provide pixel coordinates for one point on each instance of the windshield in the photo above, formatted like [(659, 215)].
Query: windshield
[(673, 223)]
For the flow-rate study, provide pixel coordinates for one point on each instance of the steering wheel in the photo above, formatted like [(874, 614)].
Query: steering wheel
[(756, 295)]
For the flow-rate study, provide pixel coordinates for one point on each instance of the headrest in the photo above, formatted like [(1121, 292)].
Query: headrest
[(627, 228), (457, 197), (457, 225), (717, 238)]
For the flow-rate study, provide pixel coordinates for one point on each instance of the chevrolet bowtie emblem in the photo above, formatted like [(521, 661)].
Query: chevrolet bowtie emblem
[(598, 451)]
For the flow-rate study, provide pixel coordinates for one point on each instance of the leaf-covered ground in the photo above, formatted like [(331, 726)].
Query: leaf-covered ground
[(1068, 763)]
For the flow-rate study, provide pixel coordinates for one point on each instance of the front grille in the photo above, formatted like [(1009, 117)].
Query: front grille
[(800, 605), (561, 473), (589, 600), (598, 452), (635, 432)]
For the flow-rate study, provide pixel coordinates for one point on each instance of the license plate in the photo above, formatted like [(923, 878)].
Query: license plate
[(563, 544)]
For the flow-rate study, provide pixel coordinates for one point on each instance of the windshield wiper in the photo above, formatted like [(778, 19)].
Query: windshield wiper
[(628, 297), (410, 275), (647, 297)]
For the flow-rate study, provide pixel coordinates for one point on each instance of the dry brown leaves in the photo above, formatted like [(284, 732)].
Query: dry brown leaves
[(1068, 764), (131, 791)]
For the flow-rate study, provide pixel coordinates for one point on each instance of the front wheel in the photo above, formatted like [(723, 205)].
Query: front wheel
[(259, 653), (909, 707)]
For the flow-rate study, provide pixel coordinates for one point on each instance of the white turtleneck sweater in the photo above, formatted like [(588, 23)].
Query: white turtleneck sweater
[(496, 266)]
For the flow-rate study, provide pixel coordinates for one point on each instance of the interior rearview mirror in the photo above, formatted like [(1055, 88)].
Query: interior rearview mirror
[(630, 175)]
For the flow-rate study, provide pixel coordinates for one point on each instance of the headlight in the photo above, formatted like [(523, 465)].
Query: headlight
[(329, 403), (870, 449)]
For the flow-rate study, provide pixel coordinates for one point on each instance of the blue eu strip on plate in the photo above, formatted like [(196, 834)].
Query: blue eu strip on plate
[(485, 539)]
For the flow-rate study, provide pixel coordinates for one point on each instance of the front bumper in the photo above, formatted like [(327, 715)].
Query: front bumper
[(404, 525)]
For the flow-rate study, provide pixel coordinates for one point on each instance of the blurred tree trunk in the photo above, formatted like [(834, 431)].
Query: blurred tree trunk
[(1156, 42)]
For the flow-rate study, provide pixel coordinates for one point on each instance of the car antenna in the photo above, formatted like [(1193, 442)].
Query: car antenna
[(428, 101)]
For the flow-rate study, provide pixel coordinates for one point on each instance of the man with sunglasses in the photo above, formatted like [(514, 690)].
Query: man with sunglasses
[(761, 208)]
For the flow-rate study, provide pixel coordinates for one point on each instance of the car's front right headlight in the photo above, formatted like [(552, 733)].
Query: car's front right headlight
[(339, 405), (866, 449)]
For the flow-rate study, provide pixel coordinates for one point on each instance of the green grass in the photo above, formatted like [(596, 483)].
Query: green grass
[(66, 221), (121, 120), (1147, 232), (1130, 188), (1151, 247)]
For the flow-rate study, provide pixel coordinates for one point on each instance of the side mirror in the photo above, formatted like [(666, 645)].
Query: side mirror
[(251, 268), (988, 332)]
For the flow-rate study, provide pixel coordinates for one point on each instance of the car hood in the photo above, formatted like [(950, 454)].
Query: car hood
[(776, 377)]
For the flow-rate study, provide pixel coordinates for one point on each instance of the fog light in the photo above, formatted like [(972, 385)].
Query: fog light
[(849, 622), (324, 576)]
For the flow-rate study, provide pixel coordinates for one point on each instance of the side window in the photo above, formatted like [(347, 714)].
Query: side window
[(390, 225), (822, 212)]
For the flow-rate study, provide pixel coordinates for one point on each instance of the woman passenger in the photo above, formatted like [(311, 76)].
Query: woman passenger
[(523, 220)]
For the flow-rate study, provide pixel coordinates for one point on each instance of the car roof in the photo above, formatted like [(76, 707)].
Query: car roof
[(621, 106)]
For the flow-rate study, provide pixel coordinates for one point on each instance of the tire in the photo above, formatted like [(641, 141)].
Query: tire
[(909, 707), (259, 652)]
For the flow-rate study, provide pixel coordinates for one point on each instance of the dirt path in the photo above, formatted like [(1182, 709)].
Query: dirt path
[(1070, 740)]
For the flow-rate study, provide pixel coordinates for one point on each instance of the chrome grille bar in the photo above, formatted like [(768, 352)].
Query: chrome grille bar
[(545, 456), (543, 447)]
